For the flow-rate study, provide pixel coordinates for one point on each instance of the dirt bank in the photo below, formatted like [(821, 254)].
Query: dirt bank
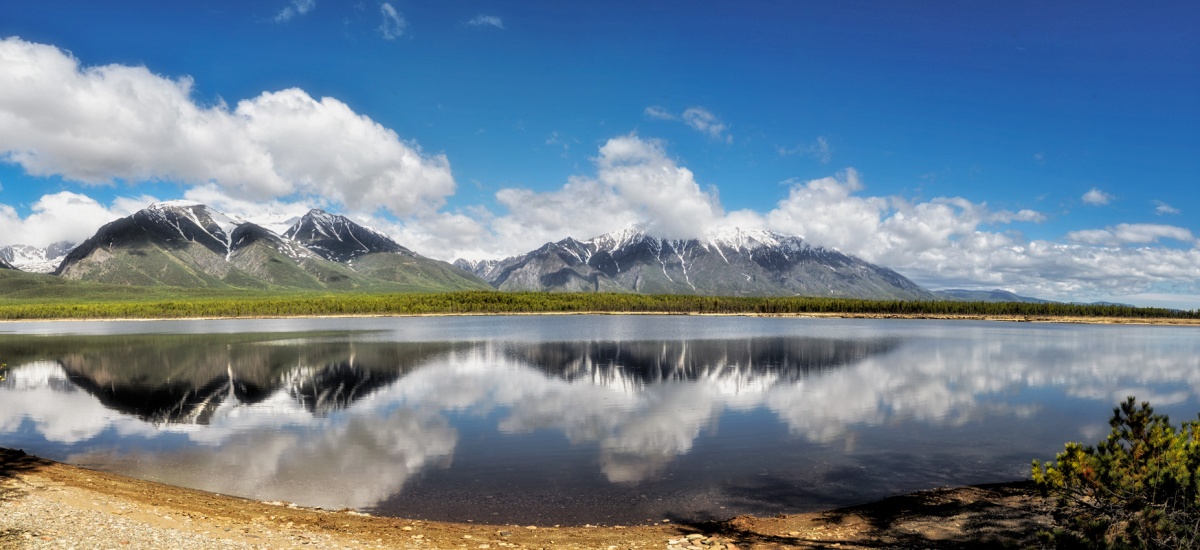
[(45, 504)]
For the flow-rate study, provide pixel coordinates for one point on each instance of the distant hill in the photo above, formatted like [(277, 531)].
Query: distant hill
[(997, 295), (734, 263)]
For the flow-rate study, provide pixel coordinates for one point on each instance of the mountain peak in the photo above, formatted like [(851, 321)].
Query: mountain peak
[(618, 239), (753, 239), (337, 238)]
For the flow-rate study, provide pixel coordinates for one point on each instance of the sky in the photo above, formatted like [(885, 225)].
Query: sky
[(1051, 149)]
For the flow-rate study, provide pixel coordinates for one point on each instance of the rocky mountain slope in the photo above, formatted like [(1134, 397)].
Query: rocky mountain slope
[(733, 263), (182, 243), (338, 239)]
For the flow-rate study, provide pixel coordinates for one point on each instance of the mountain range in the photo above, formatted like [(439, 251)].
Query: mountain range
[(189, 244), (732, 263)]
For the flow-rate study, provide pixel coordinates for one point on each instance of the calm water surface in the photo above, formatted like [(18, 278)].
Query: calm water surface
[(574, 419)]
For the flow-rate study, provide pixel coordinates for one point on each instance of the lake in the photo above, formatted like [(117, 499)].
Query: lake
[(600, 419)]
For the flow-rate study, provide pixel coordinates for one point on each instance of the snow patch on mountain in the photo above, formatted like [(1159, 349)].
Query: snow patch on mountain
[(34, 259), (275, 223)]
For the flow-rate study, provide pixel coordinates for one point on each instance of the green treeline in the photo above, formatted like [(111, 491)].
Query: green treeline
[(484, 302)]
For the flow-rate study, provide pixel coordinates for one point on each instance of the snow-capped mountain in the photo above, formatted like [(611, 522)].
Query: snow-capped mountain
[(733, 262), (336, 238), (33, 259), (375, 255), (184, 243)]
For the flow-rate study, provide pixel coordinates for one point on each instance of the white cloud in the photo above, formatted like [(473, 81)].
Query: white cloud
[(1024, 215), (819, 150), (1096, 197), (297, 7), (665, 195), (697, 118), (826, 212), (63, 216), (101, 125), (393, 24), (636, 184), (659, 113), (704, 121), (325, 148), (1162, 208), (486, 21), (1131, 233), (945, 242)]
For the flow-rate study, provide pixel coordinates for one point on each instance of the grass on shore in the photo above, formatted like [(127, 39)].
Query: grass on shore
[(161, 302)]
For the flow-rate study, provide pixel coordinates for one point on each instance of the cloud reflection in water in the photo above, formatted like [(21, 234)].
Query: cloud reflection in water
[(342, 423)]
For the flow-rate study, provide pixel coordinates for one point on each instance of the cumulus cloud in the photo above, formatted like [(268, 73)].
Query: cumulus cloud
[(101, 125), (63, 216), (948, 242), (297, 7), (1096, 197), (486, 21), (636, 185), (393, 24), (704, 121)]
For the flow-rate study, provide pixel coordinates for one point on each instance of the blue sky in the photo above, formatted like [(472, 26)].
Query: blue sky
[(1048, 149)]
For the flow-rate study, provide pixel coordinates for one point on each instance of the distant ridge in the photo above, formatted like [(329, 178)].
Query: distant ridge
[(996, 295)]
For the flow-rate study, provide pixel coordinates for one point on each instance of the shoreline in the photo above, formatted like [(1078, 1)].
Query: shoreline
[(1043, 319), (44, 504)]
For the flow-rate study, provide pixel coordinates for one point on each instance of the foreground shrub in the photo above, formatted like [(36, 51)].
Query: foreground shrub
[(1135, 489)]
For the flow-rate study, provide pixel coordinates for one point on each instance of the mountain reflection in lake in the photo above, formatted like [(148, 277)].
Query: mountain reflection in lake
[(577, 419)]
